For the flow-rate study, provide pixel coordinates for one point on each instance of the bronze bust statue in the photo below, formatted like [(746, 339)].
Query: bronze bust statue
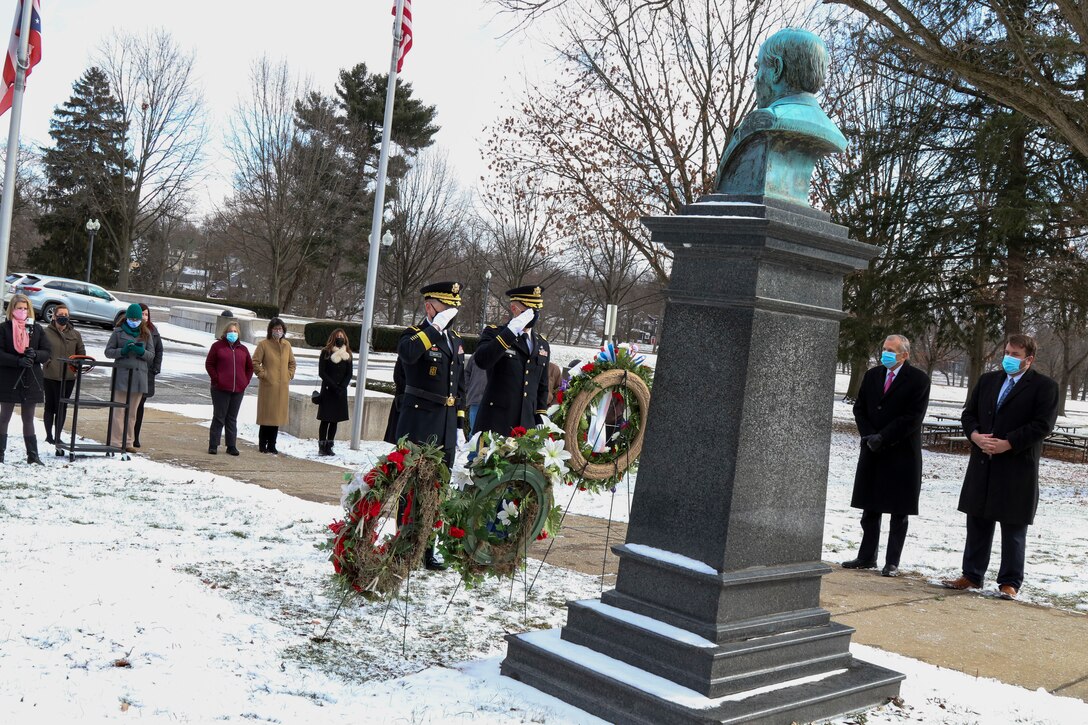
[(776, 146)]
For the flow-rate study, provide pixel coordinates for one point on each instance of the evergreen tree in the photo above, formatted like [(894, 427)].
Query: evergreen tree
[(86, 171)]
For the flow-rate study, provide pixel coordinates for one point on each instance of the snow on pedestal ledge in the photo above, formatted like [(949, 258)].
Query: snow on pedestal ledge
[(654, 685), (673, 558)]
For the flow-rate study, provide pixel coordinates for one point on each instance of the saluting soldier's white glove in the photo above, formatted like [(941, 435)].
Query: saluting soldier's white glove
[(517, 325), (443, 318)]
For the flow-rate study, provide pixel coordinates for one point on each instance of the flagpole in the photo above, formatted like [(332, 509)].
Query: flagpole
[(8, 203), (375, 233)]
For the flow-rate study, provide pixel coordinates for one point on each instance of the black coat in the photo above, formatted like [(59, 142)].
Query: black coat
[(433, 400), (155, 366), (398, 398), (890, 479), (517, 380), (335, 379), (1005, 487), (17, 386)]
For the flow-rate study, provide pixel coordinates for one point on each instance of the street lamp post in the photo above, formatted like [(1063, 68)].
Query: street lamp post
[(483, 305), (93, 225)]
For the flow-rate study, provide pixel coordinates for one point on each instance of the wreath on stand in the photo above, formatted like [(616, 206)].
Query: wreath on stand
[(379, 541), (614, 389), (502, 503)]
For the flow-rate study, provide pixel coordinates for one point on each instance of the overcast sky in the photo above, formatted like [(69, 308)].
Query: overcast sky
[(458, 63)]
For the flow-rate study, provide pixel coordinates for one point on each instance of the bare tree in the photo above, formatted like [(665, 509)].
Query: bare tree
[(1024, 54), (283, 188), (428, 211), (649, 95), (163, 108)]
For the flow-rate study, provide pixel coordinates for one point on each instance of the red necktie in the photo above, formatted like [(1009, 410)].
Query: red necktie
[(888, 382)]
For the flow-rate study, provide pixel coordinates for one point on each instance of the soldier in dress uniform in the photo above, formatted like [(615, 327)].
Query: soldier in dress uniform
[(431, 364), (516, 357)]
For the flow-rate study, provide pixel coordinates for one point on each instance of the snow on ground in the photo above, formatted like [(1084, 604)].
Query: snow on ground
[(145, 590)]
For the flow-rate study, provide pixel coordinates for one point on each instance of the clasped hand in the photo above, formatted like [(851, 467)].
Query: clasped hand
[(989, 444)]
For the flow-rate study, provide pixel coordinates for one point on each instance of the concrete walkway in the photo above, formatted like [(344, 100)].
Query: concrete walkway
[(1023, 644)]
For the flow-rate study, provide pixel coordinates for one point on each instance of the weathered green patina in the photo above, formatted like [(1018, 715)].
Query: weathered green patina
[(776, 146)]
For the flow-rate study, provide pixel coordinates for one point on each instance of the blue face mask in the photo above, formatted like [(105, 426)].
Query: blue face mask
[(888, 359), (133, 323), (232, 337), (1010, 364)]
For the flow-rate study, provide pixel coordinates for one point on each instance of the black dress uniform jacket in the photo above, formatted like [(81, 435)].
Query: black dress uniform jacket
[(1005, 487), (890, 480), (434, 386), (517, 380)]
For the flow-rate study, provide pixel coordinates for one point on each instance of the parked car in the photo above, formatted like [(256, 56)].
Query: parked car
[(13, 279), (86, 302)]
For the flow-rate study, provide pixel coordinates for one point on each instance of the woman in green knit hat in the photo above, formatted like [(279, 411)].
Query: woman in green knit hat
[(131, 345)]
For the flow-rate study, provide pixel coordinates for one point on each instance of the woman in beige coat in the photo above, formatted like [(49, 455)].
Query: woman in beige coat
[(274, 365)]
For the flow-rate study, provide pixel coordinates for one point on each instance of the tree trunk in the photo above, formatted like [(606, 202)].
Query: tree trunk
[(1015, 231), (976, 355), (858, 366)]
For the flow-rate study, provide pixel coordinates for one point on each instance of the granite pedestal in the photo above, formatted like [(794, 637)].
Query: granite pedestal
[(715, 616)]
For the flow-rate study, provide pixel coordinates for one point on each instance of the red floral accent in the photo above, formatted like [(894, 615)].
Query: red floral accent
[(336, 526), (371, 477), (588, 368), (438, 524), (543, 535), (559, 396), (397, 459), (456, 532), (518, 431), (617, 396), (338, 549)]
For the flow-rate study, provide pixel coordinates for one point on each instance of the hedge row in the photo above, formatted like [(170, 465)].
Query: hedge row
[(384, 338), (261, 309)]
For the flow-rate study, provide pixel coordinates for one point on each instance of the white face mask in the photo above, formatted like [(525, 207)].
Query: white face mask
[(277, 334)]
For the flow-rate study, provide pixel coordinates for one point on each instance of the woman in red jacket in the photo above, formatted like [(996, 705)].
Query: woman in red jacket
[(230, 368)]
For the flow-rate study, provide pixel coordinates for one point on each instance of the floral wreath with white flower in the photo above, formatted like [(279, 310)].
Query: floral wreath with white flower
[(378, 541), (602, 409), (502, 502)]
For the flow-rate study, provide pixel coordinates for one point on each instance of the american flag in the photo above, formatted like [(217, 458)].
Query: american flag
[(405, 32), (35, 50)]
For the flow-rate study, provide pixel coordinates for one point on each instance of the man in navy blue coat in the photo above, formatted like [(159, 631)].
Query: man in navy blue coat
[(1007, 416)]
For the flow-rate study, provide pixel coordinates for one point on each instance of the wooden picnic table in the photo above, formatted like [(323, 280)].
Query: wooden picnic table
[(1069, 440)]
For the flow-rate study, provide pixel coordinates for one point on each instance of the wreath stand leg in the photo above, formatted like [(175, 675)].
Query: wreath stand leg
[(404, 632), (343, 599), (456, 589), (552, 541)]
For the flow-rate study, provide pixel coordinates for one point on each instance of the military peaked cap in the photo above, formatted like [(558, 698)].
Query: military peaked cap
[(448, 293), (530, 295)]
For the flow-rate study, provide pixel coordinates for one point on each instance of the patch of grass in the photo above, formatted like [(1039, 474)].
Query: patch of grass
[(240, 534)]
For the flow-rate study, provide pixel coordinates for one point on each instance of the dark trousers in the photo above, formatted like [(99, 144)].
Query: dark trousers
[(267, 435), (53, 414), (139, 420), (870, 536), (976, 553), (225, 417), (326, 430)]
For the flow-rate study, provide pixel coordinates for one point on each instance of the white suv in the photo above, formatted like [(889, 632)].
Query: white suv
[(86, 302)]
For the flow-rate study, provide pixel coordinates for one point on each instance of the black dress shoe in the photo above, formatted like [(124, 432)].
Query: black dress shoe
[(430, 562), (858, 564), (890, 570), (212, 450), (232, 451)]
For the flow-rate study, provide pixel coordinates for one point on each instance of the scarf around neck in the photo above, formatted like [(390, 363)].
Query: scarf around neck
[(20, 337)]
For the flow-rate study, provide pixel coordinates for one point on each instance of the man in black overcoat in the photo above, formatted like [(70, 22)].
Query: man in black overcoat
[(431, 361), (515, 357), (1008, 414), (889, 410)]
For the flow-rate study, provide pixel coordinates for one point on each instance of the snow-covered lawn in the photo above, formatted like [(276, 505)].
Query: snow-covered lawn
[(145, 590)]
